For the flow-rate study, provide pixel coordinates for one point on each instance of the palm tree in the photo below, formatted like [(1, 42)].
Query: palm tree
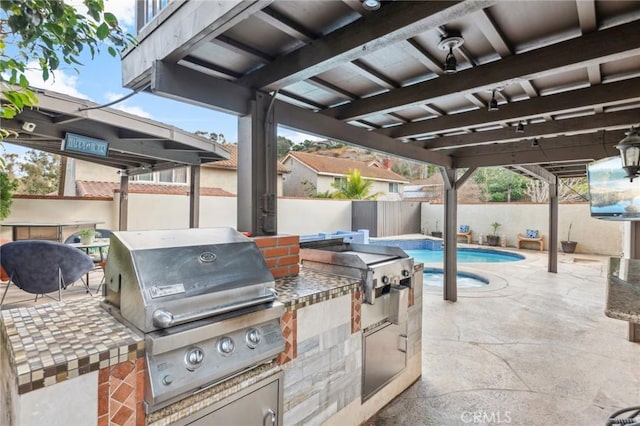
[(354, 187)]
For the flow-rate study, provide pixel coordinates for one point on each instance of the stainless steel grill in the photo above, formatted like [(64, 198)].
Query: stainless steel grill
[(204, 300), (379, 267)]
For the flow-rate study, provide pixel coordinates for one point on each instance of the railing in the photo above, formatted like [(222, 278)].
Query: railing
[(146, 10)]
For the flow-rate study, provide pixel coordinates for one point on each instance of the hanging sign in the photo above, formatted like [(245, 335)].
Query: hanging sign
[(85, 145)]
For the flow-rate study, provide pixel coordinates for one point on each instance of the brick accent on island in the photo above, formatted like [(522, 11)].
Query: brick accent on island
[(121, 394), (281, 253)]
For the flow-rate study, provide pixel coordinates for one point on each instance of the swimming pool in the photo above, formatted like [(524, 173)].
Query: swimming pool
[(465, 255), (431, 251), (434, 277)]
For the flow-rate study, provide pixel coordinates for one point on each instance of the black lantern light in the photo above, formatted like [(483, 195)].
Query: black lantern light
[(449, 41), (630, 153)]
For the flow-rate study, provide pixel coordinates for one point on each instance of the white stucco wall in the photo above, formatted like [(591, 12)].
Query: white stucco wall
[(593, 235), (313, 215), (226, 179), (219, 178), (154, 211), (85, 170), (59, 211), (310, 216)]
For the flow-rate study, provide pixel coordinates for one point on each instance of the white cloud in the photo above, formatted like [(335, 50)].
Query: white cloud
[(124, 11), (297, 137), (124, 106), (59, 81)]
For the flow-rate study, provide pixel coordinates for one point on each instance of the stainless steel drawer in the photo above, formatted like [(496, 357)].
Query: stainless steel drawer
[(385, 356)]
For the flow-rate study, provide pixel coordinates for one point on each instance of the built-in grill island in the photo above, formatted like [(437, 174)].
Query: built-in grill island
[(386, 274), (204, 301)]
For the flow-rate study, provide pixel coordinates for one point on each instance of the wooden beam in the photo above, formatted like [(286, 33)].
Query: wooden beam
[(488, 27), (394, 22), (374, 75), (591, 146), (284, 24), (593, 48), (587, 15), (307, 121), (187, 85), (413, 48), (183, 84), (562, 102), (610, 121), (537, 172), (332, 88)]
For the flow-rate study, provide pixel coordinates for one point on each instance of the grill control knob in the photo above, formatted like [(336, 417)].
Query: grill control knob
[(193, 358), (167, 380), (405, 273), (226, 345), (252, 337), (385, 280)]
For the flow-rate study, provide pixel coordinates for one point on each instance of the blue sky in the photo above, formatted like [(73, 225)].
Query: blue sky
[(100, 80)]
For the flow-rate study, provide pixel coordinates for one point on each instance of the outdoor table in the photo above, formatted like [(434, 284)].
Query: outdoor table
[(98, 243), (52, 231)]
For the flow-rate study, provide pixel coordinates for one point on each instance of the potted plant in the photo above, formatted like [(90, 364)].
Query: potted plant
[(569, 246), (493, 239), (87, 236), (436, 233)]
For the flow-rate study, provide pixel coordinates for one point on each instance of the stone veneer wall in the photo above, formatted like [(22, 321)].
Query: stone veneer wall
[(282, 254), (325, 375)]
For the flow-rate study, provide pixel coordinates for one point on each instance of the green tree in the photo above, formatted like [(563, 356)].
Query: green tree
[(7, 187), (284, 146), (48, 33), (38, 173), (354, 187), (501, 185)]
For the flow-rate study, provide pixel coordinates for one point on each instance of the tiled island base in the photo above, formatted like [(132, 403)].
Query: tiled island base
[(87, 368)]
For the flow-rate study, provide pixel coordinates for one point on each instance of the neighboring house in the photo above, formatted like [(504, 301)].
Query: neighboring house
[(107, 189), (223, 174), (220, 175), (309, 171)]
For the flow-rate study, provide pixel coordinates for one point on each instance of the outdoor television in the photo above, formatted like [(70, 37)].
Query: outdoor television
[(613, 196)]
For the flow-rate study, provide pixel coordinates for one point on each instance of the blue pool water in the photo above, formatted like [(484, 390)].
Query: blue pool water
[(434, 277), (465, 255)]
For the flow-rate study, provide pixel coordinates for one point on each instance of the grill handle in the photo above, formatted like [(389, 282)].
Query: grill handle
[(165, 319)]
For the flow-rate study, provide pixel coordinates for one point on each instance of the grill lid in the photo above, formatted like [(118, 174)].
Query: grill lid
[(162, 278)]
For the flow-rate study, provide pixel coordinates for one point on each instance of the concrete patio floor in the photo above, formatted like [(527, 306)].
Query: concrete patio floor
[(534, 348)]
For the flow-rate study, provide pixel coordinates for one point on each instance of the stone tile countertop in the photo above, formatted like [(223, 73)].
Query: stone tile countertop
[(61, 340), (311, 287), (623, 290)]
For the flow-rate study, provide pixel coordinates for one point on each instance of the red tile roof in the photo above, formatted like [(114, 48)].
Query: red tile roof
[(106, 189), (323, 164), (232, 162)]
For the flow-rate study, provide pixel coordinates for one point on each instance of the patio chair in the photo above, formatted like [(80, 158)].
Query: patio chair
[(465, 231), (531, 236), (41, 267)]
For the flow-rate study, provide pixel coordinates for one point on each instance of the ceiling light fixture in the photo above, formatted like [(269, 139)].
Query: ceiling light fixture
[(630, 153), (493, 105), (371, 5), (449, 41), (520, 127)]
